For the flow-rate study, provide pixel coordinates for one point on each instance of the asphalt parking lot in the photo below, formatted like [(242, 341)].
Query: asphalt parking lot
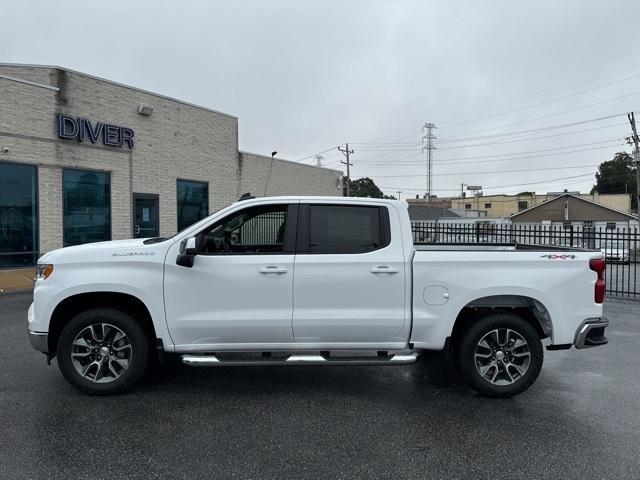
[(580, 420)]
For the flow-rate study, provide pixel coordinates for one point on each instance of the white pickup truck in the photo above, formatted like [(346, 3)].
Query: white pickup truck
[(309, 281)]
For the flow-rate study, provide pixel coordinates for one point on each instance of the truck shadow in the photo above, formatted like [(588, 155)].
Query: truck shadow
[(431, 372)]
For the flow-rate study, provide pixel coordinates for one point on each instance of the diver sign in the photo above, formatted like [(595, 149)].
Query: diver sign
[(81, 129)]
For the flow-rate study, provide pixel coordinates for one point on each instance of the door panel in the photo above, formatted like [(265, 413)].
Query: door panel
[(240, 288), (226, 299), (348, 297)]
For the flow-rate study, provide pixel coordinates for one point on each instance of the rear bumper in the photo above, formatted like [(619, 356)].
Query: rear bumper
[(39, 341), (590, 333)]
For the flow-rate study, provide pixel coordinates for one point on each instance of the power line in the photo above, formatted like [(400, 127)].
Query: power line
[(463, 160), (556, 88), (317, 153), (530, 138), (543, 150), (557, 113), (495, 171), (506, 186), (369, 163), (527, 134), (540, 103), (533, 130), (539, 93)]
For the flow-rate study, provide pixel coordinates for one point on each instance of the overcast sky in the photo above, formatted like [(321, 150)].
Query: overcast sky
[(304, 77)]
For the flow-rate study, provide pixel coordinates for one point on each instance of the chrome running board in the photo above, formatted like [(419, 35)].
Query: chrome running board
[(211, 360)]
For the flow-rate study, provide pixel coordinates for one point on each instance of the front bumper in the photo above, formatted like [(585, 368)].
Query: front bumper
[(590, 333), (39, 341)]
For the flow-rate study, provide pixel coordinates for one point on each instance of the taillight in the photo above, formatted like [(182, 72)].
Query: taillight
[(598, 265)]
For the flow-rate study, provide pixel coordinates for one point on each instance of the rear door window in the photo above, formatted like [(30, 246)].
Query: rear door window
[(345, 229)]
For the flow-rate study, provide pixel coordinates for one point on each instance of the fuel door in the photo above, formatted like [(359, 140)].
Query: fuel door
[(435, 295)]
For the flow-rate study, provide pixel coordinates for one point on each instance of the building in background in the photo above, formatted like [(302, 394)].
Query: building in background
[(83, 159), (568, 210), (503, 206)]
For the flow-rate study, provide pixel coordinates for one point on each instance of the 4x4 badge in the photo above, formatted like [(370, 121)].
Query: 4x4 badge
[(552, 256)]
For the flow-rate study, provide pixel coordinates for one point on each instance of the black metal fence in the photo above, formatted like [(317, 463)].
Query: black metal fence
[(264, 229), (619, 246)]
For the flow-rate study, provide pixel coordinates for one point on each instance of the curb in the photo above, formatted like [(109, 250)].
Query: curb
[(15, 291)]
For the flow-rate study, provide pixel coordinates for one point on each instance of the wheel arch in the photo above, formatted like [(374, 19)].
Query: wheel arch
[(74, 304), (528, 308)]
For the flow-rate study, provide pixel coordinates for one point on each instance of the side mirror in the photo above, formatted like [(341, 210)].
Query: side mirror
[(188, 252)]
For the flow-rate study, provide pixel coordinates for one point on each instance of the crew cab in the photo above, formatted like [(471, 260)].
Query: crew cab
[(312, 281)]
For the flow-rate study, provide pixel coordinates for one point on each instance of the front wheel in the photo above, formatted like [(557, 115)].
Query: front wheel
[(500, 355), (103, 351)]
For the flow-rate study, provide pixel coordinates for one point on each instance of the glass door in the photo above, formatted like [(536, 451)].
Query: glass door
[(145, 218)]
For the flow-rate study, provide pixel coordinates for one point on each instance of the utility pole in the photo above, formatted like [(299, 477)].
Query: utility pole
[(462, 190), (399, 192), (347, 152), (636, 156), (429, 147)]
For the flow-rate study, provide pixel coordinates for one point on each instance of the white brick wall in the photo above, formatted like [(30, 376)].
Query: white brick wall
[(177, 141), (261, 177)]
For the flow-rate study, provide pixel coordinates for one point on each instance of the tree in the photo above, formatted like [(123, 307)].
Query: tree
[(617, 176), (364, 187)]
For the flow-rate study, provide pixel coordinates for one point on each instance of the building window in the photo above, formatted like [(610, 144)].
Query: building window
[(86, 198), (18, 215), (193, 202), (467, 206), (487, 205), (522, 205), (611, 225)]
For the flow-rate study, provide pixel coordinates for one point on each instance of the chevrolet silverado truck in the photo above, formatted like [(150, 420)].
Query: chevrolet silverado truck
[(312, 281)]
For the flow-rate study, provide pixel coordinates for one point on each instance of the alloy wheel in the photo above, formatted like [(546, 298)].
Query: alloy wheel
[(502, 356), (101, 353)]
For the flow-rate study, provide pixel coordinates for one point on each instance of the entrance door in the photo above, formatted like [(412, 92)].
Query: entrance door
[(145, 218)]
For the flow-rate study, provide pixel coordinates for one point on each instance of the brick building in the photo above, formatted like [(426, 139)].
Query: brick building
[(503, 206), (84, 159)]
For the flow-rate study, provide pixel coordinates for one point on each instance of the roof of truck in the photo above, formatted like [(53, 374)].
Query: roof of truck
[(316, 198), (312, 198)]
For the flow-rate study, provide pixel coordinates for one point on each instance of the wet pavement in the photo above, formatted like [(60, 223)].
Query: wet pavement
[(581, 419)]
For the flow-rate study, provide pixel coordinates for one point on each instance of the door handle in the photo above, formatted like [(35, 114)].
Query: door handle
[(384, 269), (272, 269)]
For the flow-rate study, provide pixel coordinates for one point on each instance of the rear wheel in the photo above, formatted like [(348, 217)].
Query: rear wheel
[(500, 355), (103, 351)]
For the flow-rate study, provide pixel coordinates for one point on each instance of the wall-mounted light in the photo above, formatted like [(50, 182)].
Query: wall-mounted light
[(145, 110)]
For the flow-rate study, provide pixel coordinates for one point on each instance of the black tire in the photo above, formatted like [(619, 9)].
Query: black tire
[(139, 351), (465, 355)]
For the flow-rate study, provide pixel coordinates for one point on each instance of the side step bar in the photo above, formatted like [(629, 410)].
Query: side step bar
[(301, 359)]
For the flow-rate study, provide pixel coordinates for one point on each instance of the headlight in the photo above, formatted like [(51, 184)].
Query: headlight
[(43, 271)]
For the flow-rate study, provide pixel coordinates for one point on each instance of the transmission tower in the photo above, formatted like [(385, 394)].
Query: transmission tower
[(429, 147)]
